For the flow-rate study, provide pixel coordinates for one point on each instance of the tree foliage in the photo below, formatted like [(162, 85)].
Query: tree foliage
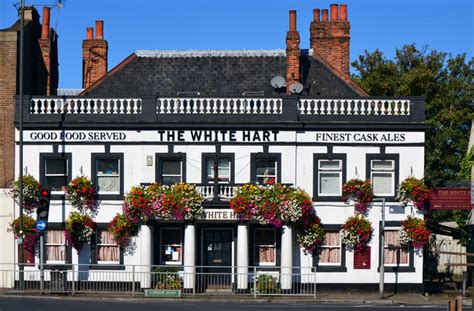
[(446, 83)]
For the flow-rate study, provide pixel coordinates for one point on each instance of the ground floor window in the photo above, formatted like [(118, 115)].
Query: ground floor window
[(171, 246), (55, 246), (265, 247), (107, 250), (394, 253), (330, 250)]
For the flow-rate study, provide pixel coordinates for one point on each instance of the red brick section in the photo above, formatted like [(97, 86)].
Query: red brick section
[(47, 81), (330, 38), (94, 56), (292, 53)]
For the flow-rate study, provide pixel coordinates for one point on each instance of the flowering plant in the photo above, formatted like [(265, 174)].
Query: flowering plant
[(122, 230), (81, 194), (79, 229), (356, 232), (359, 191), (185, 201), (30, 234), (30, 192), (414, 232), (310, 234), (246, 201), (414, 190), (136, 205)]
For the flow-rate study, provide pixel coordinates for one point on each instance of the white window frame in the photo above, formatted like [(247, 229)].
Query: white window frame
[(332, 246), (180, 175), (386, 247), (275, 176), (256, 247), (210, 179), (97, 245), (332, 171), (118, 175), (385, 171), (180, 245), (66, 173), (46, 244)]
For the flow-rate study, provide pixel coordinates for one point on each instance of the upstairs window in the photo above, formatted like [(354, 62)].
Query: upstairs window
[(171, 171), (329, 177), (382, 174), (55, 170), (108, 175), (219, 168)]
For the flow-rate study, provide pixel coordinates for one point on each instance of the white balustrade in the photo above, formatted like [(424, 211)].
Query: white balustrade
[(39, 106), (219, 106), (354, 107)]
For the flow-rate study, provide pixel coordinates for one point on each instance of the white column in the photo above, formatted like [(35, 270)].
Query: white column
[(242, 256), (286, 257), (189, 256), (145, 256)]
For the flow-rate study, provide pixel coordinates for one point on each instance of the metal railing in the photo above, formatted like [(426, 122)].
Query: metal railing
[(135, 279)]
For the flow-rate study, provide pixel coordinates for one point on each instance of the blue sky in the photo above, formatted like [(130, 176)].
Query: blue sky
[(247, 24)]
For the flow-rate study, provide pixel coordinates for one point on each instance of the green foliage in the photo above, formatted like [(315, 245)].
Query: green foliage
[(267, 284), (445, 81), (466, 166)]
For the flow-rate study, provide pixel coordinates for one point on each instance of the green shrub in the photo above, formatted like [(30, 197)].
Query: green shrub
[(267, 284)]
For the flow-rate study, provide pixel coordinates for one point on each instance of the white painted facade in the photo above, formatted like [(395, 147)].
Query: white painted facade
[(297, 149)]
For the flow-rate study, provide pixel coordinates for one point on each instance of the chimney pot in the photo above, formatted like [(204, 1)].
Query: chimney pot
[(325, 15), (89, 33), (292, 20), (316, 15), (343, 15), (334, 12), (99, 29), (45, 26)]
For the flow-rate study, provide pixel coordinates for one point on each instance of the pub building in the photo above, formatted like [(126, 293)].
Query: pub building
[(223, 118)]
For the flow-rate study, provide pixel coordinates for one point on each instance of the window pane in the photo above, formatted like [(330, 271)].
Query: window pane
[(332, 239), (266, 167), (108, 183), (55, 245), (171, 245), (107, 166), (56, 166), (383, 183), (329, 255), (266, 254), (171, 236), (170, 180), (330, 183), (56, 182), (107, 250), (223, 170), (265, 237), (330, 165), (171, 167), (382, 164)]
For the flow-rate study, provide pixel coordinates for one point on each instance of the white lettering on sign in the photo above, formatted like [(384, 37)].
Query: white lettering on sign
[(219, 214)]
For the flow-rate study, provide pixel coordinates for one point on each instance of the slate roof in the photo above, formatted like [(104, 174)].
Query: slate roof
[(217, 73)]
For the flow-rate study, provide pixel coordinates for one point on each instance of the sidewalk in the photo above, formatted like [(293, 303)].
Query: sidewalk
[(322, 298)]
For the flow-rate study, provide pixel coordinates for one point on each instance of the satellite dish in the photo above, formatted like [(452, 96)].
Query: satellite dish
[(296, 88), (278, 82)]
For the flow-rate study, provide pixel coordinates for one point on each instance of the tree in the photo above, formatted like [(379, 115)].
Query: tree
[(447, 84)]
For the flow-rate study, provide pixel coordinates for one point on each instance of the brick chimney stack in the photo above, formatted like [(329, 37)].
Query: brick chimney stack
[(292, 53), (94, 55), (47, 81), (330, 38)]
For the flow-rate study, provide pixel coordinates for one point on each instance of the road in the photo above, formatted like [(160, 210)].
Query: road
[(9, 303)]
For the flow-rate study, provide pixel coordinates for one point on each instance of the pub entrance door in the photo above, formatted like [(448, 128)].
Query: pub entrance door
[(217, 259)]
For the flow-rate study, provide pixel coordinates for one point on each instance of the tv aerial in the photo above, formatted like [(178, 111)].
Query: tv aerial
[(296, 88), (278, 82)]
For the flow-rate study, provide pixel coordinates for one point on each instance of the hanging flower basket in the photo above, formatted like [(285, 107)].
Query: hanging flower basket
[(185, 201), (30, 192), (122, 230), (246, 201), (310, 234), (414, 232), (357, 232), (360, 192), (81, 194), (414, 190), (79, 230), (136, 205), (30, 234)]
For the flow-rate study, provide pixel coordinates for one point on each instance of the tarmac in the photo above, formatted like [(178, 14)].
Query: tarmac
[(368, 298)]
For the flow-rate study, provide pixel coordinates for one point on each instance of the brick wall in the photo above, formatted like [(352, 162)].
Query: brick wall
[(292, 53)]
